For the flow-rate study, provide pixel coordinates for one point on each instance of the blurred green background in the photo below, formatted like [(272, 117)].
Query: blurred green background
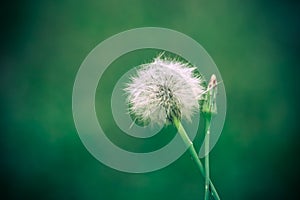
[(255, 45)]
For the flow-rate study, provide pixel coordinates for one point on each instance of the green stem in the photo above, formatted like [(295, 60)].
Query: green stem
[(206, 149), (194, 155)]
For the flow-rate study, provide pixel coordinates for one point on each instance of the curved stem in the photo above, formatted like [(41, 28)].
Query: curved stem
[(194, 155)]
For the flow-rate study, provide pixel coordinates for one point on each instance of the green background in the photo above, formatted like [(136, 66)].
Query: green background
[(255, 45)]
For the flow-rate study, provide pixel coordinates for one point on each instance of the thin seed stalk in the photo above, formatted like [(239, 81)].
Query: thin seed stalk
[(194, 156)]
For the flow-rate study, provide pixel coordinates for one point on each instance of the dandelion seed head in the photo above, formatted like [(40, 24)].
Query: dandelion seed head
[(164, 89)]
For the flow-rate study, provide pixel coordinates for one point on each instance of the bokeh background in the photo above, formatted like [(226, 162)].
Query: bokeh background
[(255, 45)]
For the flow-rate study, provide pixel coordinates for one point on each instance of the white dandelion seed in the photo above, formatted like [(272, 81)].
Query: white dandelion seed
[(164, 89)]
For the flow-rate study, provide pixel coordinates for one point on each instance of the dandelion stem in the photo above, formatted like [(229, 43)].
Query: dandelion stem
[(206, 149), (194, 155)]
